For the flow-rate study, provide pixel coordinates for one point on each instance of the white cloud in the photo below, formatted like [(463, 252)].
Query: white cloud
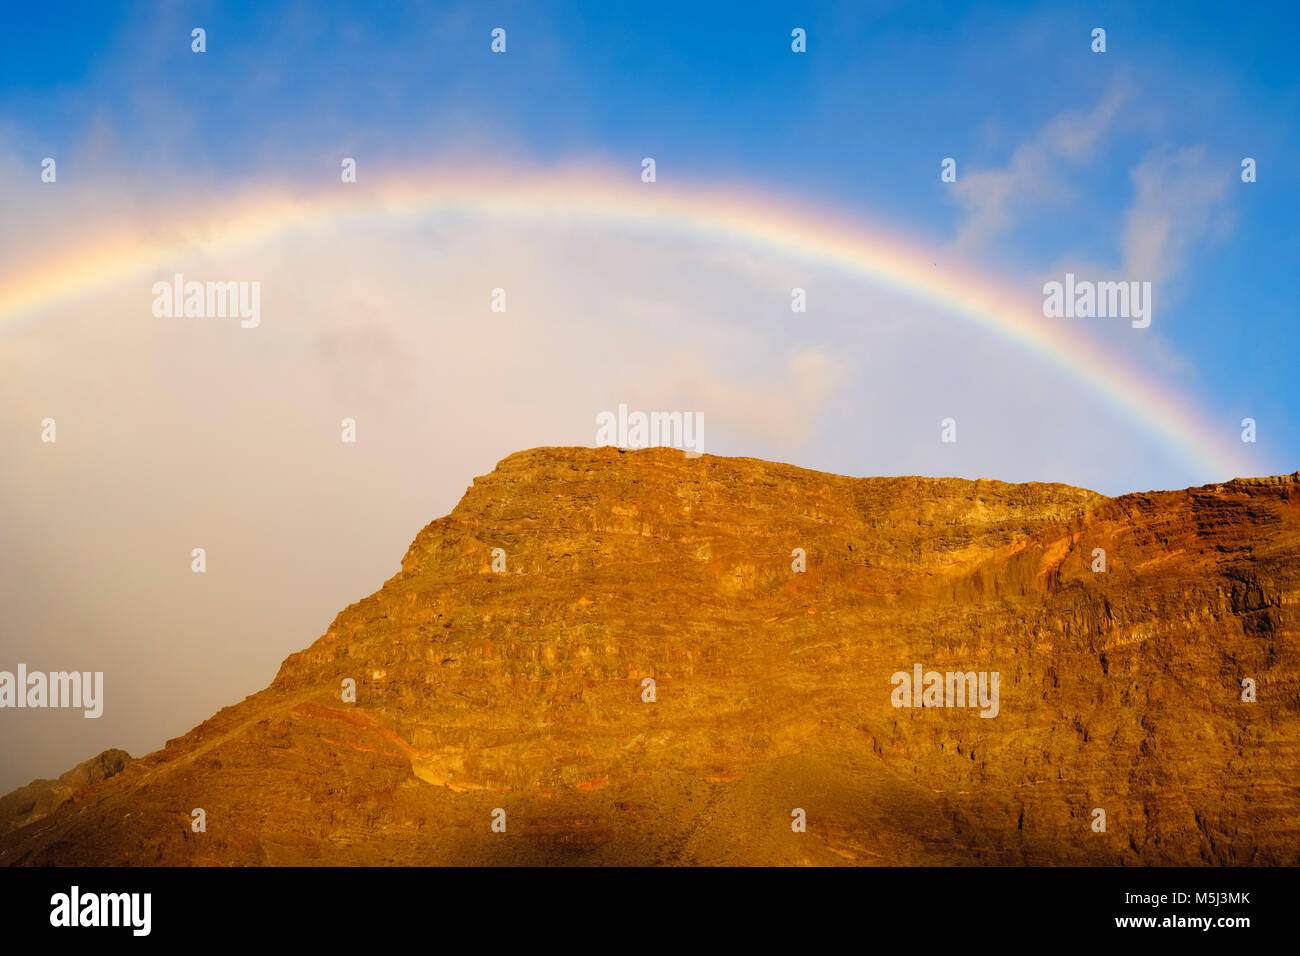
[(994, 200), (1178, 201)]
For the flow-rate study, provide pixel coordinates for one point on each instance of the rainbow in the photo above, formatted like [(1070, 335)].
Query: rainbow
[(586, 195)]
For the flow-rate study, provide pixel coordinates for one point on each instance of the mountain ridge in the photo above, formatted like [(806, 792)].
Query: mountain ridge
[(522, 689)]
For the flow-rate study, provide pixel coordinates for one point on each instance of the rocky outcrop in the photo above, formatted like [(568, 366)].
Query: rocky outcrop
[(505, 667), (40, 798)]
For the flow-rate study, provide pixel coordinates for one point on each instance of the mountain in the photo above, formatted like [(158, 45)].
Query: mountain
[(519, 695), (40, 798)]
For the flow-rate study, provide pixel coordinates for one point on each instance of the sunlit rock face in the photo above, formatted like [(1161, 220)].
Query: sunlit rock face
[(640, 657)]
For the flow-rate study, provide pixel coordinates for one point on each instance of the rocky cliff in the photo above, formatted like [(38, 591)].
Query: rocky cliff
[(40, 798), (511, 684)]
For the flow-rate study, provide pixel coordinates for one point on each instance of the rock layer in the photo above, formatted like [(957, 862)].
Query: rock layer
[(522, 690)]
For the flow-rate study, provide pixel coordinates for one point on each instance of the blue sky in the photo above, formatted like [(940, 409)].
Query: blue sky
[(712, 91)]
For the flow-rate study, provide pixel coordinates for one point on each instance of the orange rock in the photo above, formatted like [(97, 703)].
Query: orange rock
[(1119, 690)]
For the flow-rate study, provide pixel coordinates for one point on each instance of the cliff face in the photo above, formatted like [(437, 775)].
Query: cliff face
[(522, 690)]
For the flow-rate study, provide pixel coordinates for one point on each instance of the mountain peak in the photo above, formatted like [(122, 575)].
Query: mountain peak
[(641, 657)]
